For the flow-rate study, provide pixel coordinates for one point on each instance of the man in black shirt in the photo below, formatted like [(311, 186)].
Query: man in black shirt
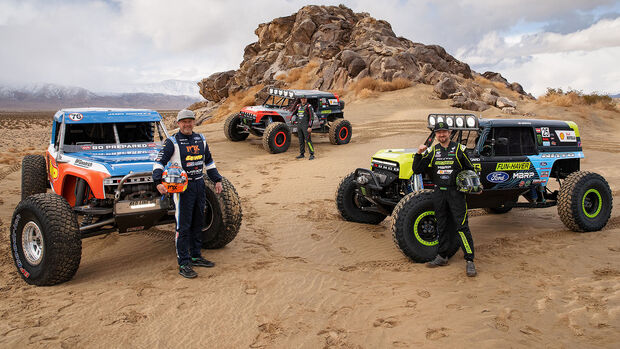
[(446, 159), (305, 117)]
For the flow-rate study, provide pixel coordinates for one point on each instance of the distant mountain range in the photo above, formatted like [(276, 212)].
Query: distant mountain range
[(169, 94), (617, 95)]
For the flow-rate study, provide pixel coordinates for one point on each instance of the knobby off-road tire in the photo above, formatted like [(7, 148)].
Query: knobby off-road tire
[(222, 215), (45, 240), (585, 201), (347, 206), (34, 175), (277, 138), (231, 131), (414, 228), (340, 132)]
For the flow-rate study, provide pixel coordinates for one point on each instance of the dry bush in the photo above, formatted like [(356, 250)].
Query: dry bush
[(367, 87), (572, 97), (235, 102), (481, 80), (302, 77)]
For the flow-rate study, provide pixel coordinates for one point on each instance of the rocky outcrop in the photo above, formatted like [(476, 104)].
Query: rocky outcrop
[(345, 46), (515, 86)]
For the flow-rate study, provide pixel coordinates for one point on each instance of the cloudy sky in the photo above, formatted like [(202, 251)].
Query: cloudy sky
[(107, 45)]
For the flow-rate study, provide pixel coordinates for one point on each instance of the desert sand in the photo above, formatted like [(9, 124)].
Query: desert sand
[(299, 276)]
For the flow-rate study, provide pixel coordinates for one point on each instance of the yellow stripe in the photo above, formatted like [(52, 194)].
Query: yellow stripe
[(463, 222), (310, 146), (458, 146), (465, 243)]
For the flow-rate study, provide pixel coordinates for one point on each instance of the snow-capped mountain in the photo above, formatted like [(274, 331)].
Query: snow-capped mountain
[(52, 96), (167, 87)]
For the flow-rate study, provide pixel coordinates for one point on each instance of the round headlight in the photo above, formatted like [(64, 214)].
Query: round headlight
[(270, 91), (281, 93), (450, 122), (440, 119), (460, 122), (471, 121), (431, 120)]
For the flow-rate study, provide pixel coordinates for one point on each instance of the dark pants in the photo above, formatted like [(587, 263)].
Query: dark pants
[(451, 204), (304, 137), (190, 211)]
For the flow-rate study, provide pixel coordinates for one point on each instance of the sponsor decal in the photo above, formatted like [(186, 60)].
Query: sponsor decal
[(121, 146), (53, 170), (566, 136), (444, 172), (546, 144), (326, 111), (438, 153), (333, 101), (82, 163), (512, 166), (445, 162), (25, 272), (193, 157), (537, 130), (543, 164), (18, 261), (544, 174), (522, 183), (545, 131), (528, 183), (86, 147), (558, 155), (76, 116), (497, 177), (538, 181), (545, 138), (523, 175), (554, 143), (477, 167), (193, 149)]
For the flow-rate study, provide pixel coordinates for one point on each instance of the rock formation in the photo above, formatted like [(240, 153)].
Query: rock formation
[(347, 46)]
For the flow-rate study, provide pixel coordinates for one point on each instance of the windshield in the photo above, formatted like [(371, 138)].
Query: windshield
[(279, 102), (104, 136)]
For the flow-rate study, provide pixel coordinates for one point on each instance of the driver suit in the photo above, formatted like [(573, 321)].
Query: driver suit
[(192, 153), (305, 117), (445, 164)]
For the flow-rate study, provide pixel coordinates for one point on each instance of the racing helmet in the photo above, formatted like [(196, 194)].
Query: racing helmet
[(174, 179), (467, 181)]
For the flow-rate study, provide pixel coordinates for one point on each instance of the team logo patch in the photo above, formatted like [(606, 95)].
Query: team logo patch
[(512, 166)]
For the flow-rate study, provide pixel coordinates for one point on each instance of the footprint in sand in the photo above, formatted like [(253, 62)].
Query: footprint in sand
[(316, 237), (423, 293), (411, 304), (345, 250), (436, 333), (387, 323)]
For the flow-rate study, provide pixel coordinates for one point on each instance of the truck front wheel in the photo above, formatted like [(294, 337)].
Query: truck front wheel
[(348, 203)]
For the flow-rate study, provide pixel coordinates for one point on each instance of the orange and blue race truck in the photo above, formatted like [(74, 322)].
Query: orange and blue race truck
[(95, 178)]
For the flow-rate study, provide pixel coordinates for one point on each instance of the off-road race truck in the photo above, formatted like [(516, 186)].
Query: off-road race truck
[(513, 157), (274, 120), (98, 166)]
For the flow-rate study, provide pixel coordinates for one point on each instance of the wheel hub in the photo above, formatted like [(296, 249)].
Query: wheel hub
[(32, 243)]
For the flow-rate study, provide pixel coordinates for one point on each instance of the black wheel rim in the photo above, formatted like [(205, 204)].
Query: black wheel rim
[(208, 221)]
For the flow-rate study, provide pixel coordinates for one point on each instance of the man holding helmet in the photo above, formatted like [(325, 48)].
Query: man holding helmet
[(191, 152), (452, 175)]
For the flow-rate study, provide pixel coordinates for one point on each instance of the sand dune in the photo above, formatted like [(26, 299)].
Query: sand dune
[(299, 276)]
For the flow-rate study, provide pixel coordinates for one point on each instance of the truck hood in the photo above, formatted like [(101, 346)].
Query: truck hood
[(117, 163), (263, 109), (397, 155)]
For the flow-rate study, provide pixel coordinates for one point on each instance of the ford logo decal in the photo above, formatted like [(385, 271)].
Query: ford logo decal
[(497, 177)]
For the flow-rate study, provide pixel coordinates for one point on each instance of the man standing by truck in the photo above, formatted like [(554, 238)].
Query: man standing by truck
[(190, 151), (305, 117), (446, 159)]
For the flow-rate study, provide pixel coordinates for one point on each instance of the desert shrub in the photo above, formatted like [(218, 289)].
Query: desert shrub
[(572, 97), (365, 87)]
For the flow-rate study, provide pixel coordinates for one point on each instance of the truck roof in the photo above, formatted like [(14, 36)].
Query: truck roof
[(300, 93), (522, 122), (105, 115)]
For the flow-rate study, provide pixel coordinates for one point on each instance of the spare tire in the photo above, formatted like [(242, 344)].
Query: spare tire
[(585, 201), (223, 215)]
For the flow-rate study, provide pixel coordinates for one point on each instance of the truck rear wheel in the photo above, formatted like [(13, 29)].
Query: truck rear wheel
[(414, 228), (498, 210), (232, 131), (277, 138), (222, 215), (34, 175), (45, 240), (585, 201), (348, 203), (340, 132)]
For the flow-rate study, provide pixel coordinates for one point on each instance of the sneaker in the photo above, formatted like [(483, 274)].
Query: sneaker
[(311, 157), (439, 261), (300, 156), (186, 271), (471, 269), (201, 262)]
